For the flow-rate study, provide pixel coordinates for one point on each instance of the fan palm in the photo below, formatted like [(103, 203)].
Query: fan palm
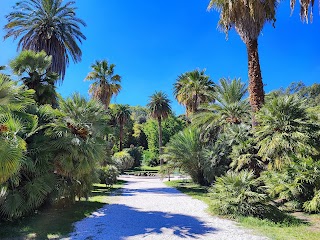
[(229, 109), (159, 107), (122, 114), (47, 25), (106, 83), (192, 89), (248, 18), (35, 68), (285, 130)]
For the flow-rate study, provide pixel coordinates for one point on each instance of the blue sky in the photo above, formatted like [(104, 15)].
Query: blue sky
[(152, 42)]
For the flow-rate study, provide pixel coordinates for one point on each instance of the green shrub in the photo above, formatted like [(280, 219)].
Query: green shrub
[(150, 158), (238, 194), (123, 160), (136, 153), (108, 174)]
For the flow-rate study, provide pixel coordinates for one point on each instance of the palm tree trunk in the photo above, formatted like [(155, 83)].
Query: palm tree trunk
[(255, 79), (121, 136), (160, 140)]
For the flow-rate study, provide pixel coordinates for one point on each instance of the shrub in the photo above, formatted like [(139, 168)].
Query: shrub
[(108, 174), (150, 158), (238, 194), (123, 160), (136, 153)]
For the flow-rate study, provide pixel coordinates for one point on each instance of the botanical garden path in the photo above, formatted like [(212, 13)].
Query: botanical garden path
[(148, 209)]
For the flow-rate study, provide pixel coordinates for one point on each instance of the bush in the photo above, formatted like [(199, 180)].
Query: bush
[(136, 153), (150, 158), (123, 160), (238, 194), (108, 174)]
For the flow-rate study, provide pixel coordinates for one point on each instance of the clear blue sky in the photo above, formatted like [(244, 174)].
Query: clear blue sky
[(152, 42)]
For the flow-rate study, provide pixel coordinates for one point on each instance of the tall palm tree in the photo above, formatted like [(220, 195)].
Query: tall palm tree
[(159, 106), (192, 89), (122, 114), (35, 69), (248, 18), (106, 83), (47, 25)]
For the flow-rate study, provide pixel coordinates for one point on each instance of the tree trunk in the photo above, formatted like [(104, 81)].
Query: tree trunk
[(160, 140), (256, 93), (121, 136)]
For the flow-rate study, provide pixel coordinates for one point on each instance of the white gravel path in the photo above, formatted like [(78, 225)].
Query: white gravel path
[(148, 209)]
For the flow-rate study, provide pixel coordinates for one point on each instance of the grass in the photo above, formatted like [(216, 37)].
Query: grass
[(147, 168), (55, 222), (296, 227)]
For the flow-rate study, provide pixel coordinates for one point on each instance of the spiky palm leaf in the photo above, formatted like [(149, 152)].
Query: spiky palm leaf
[(106, 83), (192, 89), (285, 130), (34, 69), (47, 25)]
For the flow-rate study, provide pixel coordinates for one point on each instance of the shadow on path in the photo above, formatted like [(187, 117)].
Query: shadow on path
[(119, 221), (165, 190)]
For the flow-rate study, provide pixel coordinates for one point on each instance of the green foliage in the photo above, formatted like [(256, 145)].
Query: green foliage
[(123, 160), (238, 194), (150, 158), (136, 153), (108, 174), (38, 25), (296, 185), (35, 71), (186, 151), (285, 130), (170, 127)]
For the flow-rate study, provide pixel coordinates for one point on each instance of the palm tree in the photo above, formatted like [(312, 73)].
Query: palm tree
[(192, 89), (248, 18), (229, 109), (304, 9), (122, 114), (285, 130), (35, 66), (186, 151), (47, 25), (106, 83), (159, 106)]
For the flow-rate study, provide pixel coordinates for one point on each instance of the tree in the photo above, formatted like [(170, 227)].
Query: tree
[(35, 66), (192, 89), (185, 150), (304, 9), (230, 109), (106, 83), (285, 130), (122, 114), (50, 26), (159, 106), (248, 18)]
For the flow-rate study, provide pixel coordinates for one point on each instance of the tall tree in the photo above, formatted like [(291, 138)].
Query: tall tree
[(248, 18), (106, 83), (304, 9), (192, 89), (47, 25), (122, 114), (35, 69), (159, 106)]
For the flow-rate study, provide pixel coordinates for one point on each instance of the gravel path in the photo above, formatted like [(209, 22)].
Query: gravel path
[(148, 209)]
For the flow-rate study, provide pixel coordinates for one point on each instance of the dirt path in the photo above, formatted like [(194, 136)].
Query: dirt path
[(148, 209)]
